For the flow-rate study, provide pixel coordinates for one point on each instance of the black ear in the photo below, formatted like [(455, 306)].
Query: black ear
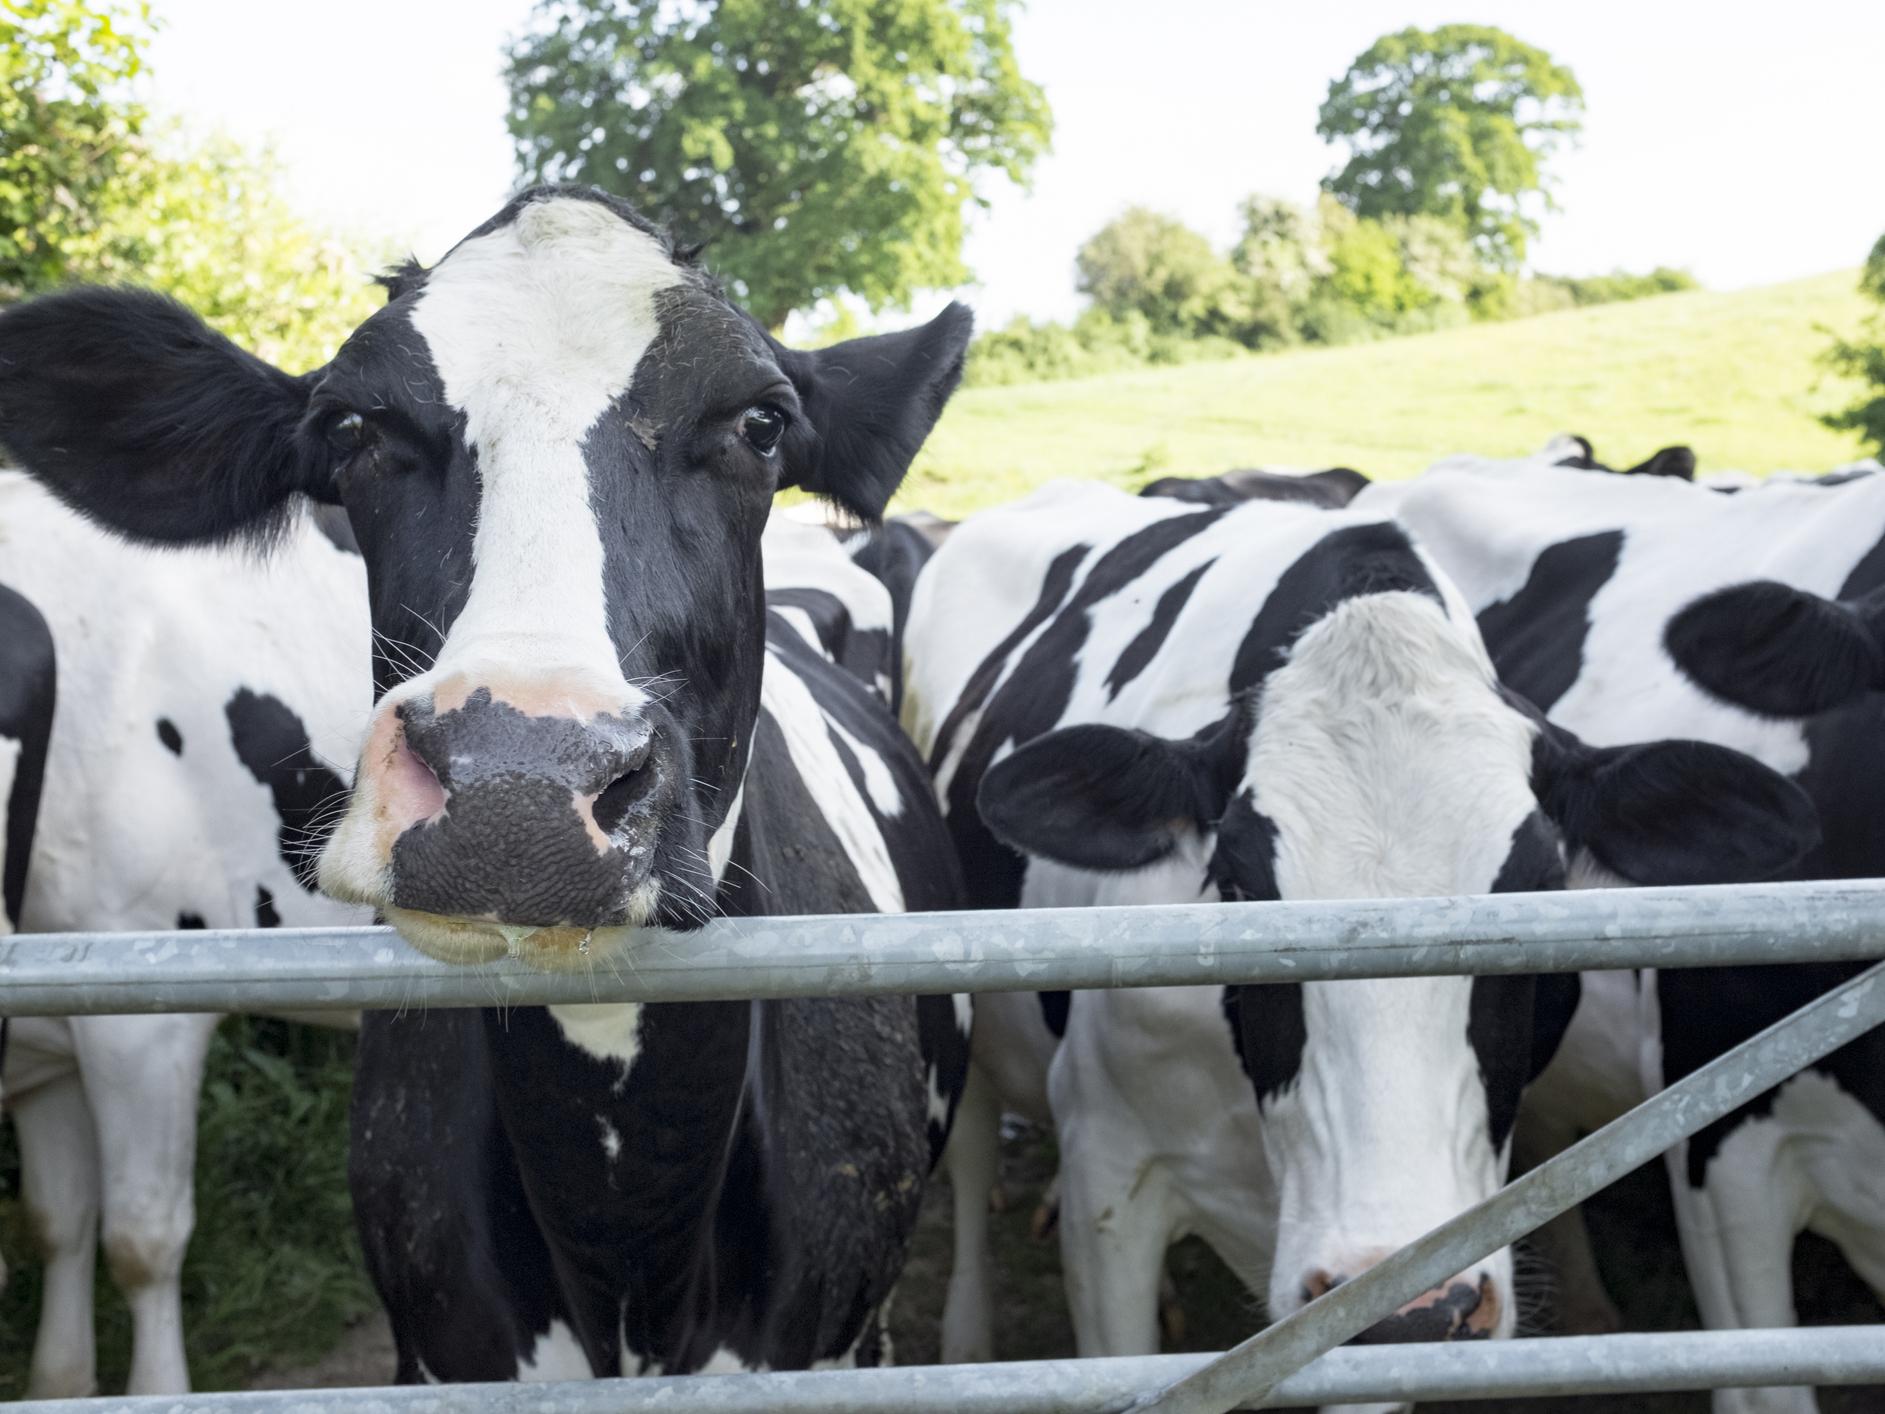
[(1673, 812), (1778, 650), (872, 402), (1343, 482), (136, 413), (1678, 462), (1575, 452), (1104, 798)]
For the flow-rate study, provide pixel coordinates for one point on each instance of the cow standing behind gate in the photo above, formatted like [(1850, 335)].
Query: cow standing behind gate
[(1128, 700), (1582, 585), (557, 448), (207, 707)]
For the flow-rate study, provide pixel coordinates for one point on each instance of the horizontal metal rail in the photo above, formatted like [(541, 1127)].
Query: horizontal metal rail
[(1676, 1360), (1261, 1364), (863, 954)]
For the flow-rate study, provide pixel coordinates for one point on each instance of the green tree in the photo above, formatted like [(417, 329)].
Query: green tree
[(206, 222), (1146, 262), (1278, 247), (1456, 123), (67, 123), (1863, 358), (817, 147)]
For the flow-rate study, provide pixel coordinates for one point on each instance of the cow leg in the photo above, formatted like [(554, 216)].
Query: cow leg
[(1115, 1225), (1843, 1147), (1738, 1231), (142, 1075), (59, 1173), (973, 1158)]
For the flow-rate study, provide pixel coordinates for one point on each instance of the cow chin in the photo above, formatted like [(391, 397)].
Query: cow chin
[(553, 948)]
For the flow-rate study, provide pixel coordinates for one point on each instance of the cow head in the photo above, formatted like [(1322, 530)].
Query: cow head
[(1381, 760), (557, 448)]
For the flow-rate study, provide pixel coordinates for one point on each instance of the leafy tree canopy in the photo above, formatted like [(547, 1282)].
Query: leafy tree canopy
[(1456, 123), (1863, 358), (820, 146), (90, 189), (206, 222), (67, 121), (1145, 262)]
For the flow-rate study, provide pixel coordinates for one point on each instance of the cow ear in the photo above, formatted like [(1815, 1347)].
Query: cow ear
[(1673, 812), (871, 403), (1778, 650), (1102, 798), (136, 413), (1678, 462)]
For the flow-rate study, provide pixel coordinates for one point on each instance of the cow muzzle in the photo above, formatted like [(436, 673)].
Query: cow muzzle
[(1465, 1308), (477, 824)]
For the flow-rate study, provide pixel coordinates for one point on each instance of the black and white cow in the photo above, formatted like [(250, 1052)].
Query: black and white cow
[(208, 705), (1583, 587), (557, 448), (28, 684), (28, 681), (1131, 700), (1574, 451), (1331, 489), (894, 554)]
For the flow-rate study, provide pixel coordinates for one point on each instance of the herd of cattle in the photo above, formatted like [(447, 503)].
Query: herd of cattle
[(484, 628)]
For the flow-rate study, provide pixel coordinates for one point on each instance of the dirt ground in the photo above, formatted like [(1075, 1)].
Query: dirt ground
[(1631, 1225)]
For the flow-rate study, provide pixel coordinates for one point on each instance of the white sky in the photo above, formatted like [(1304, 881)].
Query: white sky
[(1739, 140)]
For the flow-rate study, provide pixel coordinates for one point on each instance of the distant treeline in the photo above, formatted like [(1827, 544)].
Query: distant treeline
[(1161, 294)]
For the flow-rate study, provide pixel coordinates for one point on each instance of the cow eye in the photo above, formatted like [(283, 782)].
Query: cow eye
[(348, 433), (761, 428)]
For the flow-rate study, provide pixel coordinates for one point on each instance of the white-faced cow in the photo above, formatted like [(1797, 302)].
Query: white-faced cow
[(208, 707), (1580, 584), (1132, 700), (557, 448)]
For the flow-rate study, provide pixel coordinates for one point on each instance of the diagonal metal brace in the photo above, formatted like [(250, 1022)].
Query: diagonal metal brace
[(1251, 1370)]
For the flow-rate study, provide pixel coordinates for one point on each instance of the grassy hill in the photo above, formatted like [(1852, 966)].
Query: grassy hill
[(1735, 375)]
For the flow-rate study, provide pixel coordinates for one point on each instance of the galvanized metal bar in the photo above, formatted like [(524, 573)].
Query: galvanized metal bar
[(1260, 1365), (863, 954), (1684, 1360)]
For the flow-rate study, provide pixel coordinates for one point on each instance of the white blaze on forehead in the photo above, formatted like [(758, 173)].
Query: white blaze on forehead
[(536, 329), (1385, 757)]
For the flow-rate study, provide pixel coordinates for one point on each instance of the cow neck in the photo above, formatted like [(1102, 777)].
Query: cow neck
[(632, 1127)]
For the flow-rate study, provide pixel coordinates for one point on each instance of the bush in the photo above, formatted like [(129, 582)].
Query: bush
[(1863, 358), (1152, 265), (1618, 285), (1162, 296), (1095, 343)]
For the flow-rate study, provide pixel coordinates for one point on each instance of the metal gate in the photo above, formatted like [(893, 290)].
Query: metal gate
[(1296, 1360)]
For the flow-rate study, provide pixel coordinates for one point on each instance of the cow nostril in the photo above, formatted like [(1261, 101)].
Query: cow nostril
[(623, 793), (1319, 1284), (413, 781)]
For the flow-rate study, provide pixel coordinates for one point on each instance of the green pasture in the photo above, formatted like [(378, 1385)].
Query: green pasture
[(1735, 375)]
